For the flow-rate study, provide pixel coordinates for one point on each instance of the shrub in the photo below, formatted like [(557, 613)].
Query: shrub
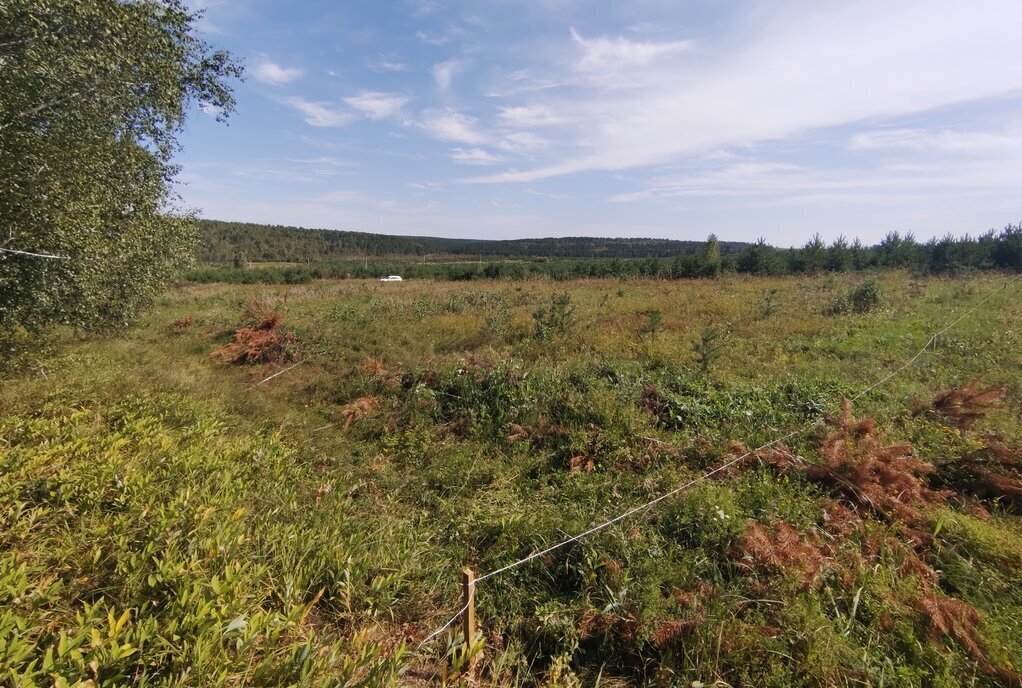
[(864, 297), (556, 320)]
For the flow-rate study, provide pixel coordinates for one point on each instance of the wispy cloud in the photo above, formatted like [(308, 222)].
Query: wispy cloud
[(443, 73), (448, 35), (423, 8), (523, 142), (318, 114), (945, 140), (474, 156), (275, 75), (387, 65), (451, 125), (605, 52), (794, 72), (377, 105), (781, 183), (530, 116)]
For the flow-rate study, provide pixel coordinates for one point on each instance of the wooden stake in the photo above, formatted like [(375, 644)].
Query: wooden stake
[(469, 597)]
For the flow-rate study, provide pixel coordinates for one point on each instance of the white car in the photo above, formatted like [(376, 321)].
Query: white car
[(391, 278)]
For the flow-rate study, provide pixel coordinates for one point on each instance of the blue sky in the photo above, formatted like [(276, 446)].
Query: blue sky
[(652, 118)]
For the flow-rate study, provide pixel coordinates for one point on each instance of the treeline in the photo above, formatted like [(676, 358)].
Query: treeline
[(228, 242), (950, 255)]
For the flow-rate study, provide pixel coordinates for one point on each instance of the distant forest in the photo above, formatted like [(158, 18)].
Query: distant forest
[(224, 242), (231, 248)]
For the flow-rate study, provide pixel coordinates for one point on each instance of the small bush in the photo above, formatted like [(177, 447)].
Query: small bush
[(556, 320), (864, 297)]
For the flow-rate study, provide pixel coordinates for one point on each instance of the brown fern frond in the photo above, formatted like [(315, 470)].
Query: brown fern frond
[(782, 550), (964, 406), (670, 631), (266, 342)]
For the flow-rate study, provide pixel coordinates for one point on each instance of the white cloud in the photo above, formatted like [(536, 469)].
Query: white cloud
[(782, 183), (530, 116), (318, 114), (275, 75), (213, 111), (451, 125), (945, 140), (444, 38), (792, 71), (605, 52), (322, 161), (522, 142), (385, 65), (377, 105), (443, 73), (422, 8), (474, 156)]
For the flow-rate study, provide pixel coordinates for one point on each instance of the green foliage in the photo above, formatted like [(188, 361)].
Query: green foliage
[(768, 303), (864, 297), (145, 544), (557, 319), (651, 325), (707, 348), (94, 93), (124, 462)]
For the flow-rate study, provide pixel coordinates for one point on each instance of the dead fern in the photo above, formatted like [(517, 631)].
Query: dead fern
[(992, 473), (964, 406), (859, 467), (782, 550), (267, 342)]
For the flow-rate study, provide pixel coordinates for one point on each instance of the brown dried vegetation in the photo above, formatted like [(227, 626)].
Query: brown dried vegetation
[(782, 550), (963, 406), (948, 617), (656, 404), (858, 467), (993, 472), (537, 435), (358, 409), (266, 342)]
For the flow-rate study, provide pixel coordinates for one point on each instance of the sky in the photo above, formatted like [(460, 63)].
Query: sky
[(500, 119)]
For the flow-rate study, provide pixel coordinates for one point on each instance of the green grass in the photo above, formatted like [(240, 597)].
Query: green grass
[(164, 521)]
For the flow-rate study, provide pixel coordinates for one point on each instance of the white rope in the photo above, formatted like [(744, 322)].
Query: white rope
[(444, 627), (709, 474), (34, 255), (281, 372)]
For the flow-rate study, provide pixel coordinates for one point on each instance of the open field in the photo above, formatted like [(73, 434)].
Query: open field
[(166, 520)]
